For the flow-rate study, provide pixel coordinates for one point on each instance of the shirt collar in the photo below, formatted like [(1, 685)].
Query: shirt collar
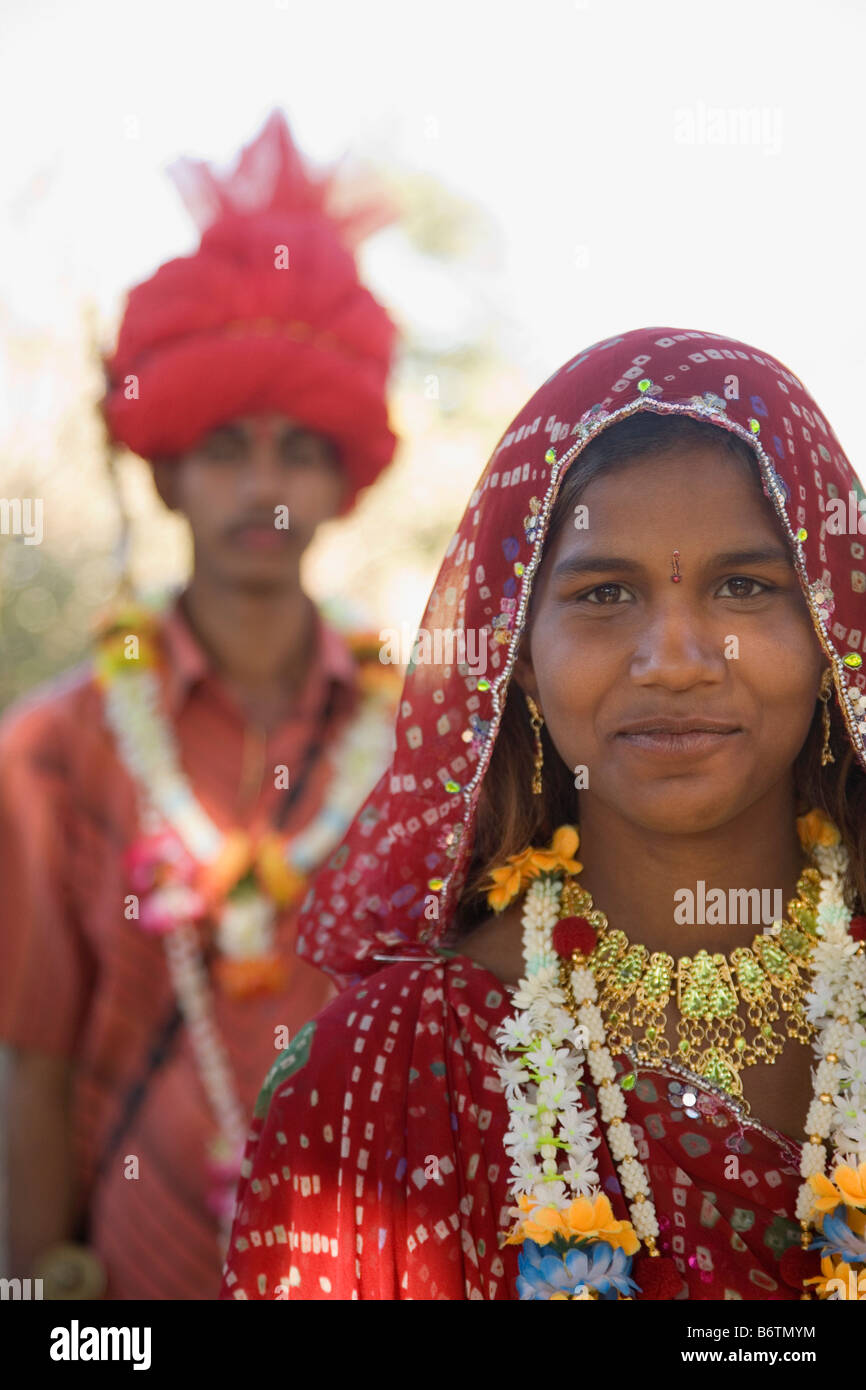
[(187, 662)]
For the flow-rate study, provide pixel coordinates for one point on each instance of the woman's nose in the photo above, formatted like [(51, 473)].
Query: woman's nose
[(679, 642)]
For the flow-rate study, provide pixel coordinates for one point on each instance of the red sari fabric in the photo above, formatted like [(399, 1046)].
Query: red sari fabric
[(392, 888), (406, 1195)]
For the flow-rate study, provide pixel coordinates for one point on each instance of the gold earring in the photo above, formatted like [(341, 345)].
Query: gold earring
[(824, 697), (536, 719)]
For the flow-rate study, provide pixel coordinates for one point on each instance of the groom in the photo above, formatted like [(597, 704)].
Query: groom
[(163, 806)]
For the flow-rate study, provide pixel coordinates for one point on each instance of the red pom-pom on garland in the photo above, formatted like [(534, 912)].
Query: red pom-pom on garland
[(857, 929), (574, 934), (656, 1276), (797, 1264)]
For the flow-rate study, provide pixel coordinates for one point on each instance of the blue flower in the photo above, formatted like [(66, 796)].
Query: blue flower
[(837, 1238), (544, 1273)]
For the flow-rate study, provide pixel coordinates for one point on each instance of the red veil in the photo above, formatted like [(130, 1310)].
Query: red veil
[(375, 1167)]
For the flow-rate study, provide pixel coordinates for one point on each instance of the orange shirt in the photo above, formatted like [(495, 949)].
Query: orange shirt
[(80, 981)]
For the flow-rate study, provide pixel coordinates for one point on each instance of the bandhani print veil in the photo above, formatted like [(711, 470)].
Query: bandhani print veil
[(375, 1167)]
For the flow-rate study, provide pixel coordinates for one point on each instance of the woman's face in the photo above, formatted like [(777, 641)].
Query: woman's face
[(613, 640)]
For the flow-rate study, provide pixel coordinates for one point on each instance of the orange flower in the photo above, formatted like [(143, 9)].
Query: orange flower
[(541, 1226), (258, 975), (817, 829), (126, 638), (281, 882), (848, 1185), (587, 1218), (510, 879), (562, 847), (230, 864), (592, 1218), (846, 1287), (520, 869), (851, 1182), (120, 653), (826, 1196)]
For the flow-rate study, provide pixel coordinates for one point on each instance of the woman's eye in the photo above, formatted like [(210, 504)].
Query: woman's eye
[(741, 579), (600, 589), (610, 594)]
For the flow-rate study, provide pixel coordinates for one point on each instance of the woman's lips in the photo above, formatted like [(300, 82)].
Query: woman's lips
[(685, 745)]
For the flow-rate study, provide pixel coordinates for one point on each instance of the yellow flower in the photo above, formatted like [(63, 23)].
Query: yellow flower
[(121, 652), (592, 1218), (509, 879), (281, 882), (562, 847), (232, 862), (519, 869), (587, 1218), (826, 1196), (541, 1226), (851, 1182), (126, 640), (848, 1185), (845, 1288), (817, 829)]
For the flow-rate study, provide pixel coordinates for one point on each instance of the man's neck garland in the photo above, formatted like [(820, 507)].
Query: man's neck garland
[(212, 895)]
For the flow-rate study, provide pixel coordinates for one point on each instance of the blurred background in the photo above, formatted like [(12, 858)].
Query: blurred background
[(564, 173)]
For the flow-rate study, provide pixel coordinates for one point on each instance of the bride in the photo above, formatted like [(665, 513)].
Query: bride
[(541, 1081)]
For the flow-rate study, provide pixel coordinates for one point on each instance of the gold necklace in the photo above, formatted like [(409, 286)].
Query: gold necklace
[(717, 996)]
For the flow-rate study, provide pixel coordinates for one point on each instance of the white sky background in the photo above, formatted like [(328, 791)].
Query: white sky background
[(563, 120)]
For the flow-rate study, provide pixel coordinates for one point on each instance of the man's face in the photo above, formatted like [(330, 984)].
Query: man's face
[(254, 491)]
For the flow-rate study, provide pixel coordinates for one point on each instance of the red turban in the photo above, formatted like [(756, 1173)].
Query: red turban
[(267, 314)]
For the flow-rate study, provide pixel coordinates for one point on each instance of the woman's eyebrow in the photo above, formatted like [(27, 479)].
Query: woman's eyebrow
[(578, 564)]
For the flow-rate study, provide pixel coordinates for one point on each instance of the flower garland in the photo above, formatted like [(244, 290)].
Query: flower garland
[(225, 1151), (572, 1247), (837, 1006), (186, 869)]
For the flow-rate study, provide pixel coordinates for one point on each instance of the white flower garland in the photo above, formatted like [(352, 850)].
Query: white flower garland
[(552, 1119), (148, 749), (190, 981), (834, 1004), (551, 1137)]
